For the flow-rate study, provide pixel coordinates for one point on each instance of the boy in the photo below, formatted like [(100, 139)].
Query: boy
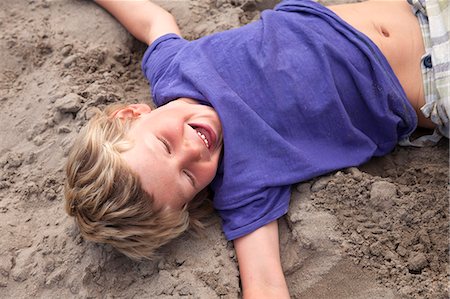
[(304, 91)]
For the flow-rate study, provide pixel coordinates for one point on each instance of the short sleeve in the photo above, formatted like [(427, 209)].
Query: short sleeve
[(158, 57), (290, 5), (245, 216)]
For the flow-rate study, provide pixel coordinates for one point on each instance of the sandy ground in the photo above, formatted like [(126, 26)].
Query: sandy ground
[(377, 231)]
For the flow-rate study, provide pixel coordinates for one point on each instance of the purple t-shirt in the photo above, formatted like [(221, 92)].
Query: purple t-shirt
[(299, 93)]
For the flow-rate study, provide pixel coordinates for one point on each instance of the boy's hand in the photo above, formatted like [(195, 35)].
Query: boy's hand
[(143, 19), (259, 264)]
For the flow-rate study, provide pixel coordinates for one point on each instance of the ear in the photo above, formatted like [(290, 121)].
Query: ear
[(133, 110)]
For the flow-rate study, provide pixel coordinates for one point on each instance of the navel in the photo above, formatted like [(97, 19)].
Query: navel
[(384, 31)]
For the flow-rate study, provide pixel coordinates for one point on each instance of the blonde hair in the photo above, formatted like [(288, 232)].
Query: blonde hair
[(106, 198)]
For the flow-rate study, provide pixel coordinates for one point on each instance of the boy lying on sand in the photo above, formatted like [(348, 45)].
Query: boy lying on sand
[(304, 91)]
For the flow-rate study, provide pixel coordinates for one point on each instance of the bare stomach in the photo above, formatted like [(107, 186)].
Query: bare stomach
[(392, 26)]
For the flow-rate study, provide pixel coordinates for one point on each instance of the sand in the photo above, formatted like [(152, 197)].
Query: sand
[(377, 231)]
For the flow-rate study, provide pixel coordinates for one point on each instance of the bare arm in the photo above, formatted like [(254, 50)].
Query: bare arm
[(143, 19), (259, 264)]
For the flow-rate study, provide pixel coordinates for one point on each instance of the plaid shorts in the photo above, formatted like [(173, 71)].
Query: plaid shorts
[(434, 18)]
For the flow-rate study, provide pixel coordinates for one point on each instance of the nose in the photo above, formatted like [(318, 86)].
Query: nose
[(190, 152)]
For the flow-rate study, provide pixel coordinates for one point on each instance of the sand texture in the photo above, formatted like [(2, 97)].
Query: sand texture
[(377, 231)]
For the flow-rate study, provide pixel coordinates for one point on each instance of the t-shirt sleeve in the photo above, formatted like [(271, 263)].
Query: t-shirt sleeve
[(245, 216), (158, 57), (290, 5)]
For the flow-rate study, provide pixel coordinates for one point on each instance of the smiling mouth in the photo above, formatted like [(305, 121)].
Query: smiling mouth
[(206, 134)]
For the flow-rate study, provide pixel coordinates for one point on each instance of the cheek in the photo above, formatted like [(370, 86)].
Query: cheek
[(213, 170), (174, 126), (206, 175)]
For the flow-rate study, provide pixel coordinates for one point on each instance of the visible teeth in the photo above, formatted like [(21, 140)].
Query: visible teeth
[(203, 138)]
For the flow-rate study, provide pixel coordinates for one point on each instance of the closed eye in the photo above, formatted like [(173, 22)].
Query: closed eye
[(190, 176), (166, 145)]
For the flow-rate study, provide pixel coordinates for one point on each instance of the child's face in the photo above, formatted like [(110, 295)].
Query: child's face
[(176, 149)]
